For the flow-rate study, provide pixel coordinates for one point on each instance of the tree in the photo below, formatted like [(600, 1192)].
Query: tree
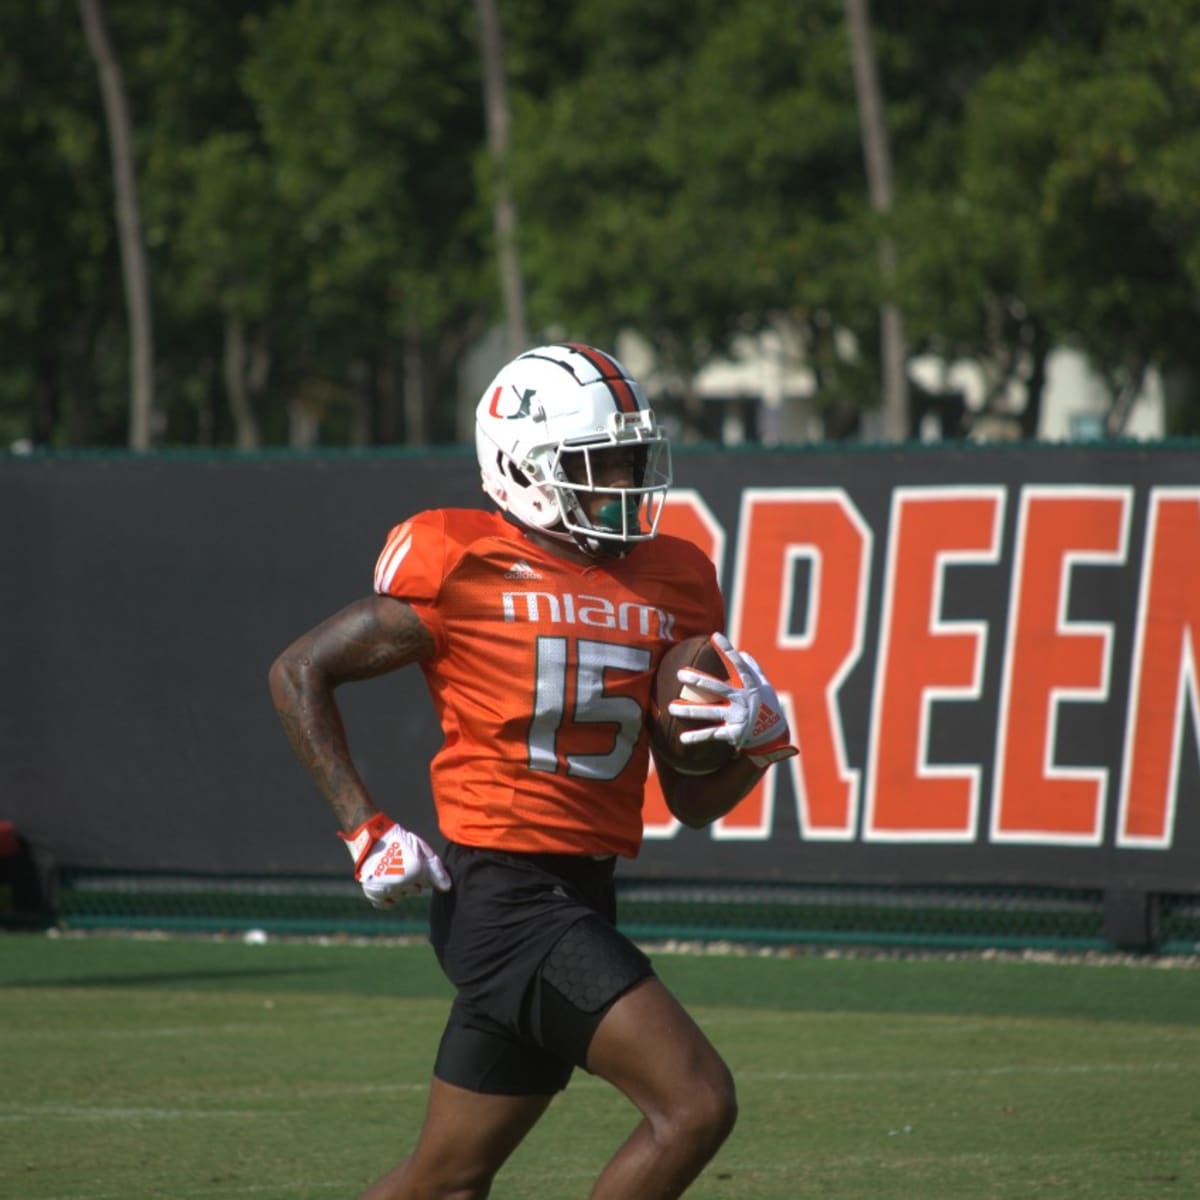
[(325, 218), (231, 247), (387, 209), (129, 223), (60, 315), (504, 209), (1063, 218), (216, 224), (695, 175), (878, 160)]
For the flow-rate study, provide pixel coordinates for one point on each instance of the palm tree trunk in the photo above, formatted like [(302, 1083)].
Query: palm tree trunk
[(237, 367), (129, 224), (416, 397), (878, 161), (504, 208)]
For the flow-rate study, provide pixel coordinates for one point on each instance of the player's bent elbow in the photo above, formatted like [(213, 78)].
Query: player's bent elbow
[(285, 679)]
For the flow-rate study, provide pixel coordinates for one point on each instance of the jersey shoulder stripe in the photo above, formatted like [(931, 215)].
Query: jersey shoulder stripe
[(422, 551), (395, 550)]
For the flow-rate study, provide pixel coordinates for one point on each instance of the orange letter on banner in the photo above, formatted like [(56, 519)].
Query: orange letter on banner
[(807, 655), (1051, 659), (924, 659), (687, 516), (1163, 684)]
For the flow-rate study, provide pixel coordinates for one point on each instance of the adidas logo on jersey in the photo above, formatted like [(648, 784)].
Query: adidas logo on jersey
[(521, 570)]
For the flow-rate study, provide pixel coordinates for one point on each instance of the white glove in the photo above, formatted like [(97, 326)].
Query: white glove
[(746, 711), (391, 861)]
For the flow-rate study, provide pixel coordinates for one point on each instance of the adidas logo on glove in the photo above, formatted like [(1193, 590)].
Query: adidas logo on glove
[(767, 718), (391, 862)]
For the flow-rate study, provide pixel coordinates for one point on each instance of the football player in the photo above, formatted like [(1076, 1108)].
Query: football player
[(538, 626)]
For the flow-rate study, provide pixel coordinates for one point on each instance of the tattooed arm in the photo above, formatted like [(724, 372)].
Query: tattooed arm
[(367, 638)]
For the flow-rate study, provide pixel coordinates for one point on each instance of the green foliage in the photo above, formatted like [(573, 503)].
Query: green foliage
[(57, 244), (372, 116), (687, 199), (314, 181), (1066, 218)]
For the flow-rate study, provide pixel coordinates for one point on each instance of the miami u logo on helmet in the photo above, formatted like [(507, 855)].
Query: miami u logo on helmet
[(524, 398)]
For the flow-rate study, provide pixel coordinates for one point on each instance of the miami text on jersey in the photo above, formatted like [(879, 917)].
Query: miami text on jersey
[(597, 611)]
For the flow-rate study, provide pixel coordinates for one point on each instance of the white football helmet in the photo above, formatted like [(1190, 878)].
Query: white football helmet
[(539, 423)]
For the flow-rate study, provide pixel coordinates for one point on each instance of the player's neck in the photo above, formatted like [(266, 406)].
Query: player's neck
[(559, 547)]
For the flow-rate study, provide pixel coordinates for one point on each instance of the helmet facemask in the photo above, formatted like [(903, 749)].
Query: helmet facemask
[(632, 512)]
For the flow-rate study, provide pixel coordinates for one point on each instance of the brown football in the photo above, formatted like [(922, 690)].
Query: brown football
[(704, 757)]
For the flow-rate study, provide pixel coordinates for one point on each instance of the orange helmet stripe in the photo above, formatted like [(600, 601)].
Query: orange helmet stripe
[(622, 393)]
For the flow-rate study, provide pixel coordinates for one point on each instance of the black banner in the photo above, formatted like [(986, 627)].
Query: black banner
[(989, 655)]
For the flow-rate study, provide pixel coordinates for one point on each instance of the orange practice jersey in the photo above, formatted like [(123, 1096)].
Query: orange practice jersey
[(542, 675)]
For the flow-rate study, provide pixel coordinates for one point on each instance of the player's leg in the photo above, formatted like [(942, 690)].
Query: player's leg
[(650, 1048), (466, 1138), (600, 1004), (488, 1091)]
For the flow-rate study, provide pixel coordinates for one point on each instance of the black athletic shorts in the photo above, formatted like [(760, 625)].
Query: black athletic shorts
[(530, 942)]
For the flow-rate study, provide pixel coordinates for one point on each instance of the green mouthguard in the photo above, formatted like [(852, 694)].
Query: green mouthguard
[(608, 516)]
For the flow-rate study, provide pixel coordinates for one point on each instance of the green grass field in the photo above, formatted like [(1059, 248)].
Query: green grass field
[(215, 1070)]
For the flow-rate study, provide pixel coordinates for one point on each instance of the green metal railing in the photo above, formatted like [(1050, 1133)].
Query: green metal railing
[(770, 914)]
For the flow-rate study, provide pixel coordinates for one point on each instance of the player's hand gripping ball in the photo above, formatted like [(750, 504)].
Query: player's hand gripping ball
[(729, 704), (666, 730)]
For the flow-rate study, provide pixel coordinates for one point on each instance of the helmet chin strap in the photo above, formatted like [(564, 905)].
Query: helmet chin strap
[(595, 547), (608, 518)]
